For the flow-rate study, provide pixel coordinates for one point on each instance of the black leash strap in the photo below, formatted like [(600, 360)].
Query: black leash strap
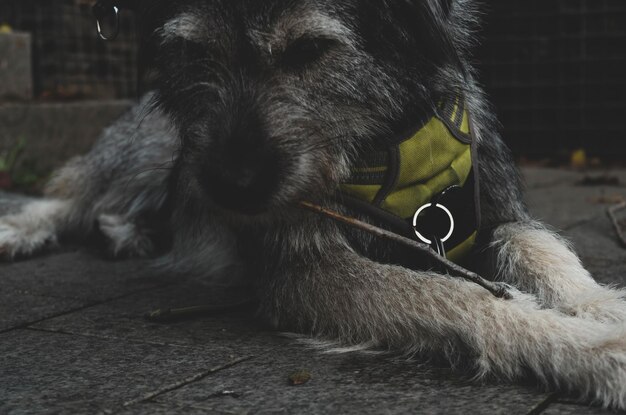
[(104, 9)]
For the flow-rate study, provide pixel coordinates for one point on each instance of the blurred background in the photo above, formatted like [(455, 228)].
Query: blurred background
[(555, 70)]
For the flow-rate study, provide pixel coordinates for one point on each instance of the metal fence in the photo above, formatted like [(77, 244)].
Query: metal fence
[(69, 61), (556, 70)]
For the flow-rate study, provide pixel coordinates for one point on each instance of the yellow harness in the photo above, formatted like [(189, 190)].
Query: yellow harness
[(423, 186)]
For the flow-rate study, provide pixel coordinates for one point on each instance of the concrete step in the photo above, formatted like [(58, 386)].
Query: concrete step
[(54, 132)]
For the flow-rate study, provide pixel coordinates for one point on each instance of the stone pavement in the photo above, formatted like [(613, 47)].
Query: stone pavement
[(73, 339)]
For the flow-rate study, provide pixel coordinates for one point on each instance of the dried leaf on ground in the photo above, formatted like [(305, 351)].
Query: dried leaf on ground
[(613, 199), (299, 378)]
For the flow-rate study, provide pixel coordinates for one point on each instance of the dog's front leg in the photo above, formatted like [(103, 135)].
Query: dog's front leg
[(537, 260), (36, 227), (360, 302), (528, 255)]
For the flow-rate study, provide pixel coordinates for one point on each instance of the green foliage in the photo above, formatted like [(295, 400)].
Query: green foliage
[(9, 157), (18, 176)]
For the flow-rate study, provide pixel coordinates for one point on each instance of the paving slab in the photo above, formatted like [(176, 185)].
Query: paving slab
[(579, 213), (20, 309), (56, 373), (540, 177), (75, 339), (348, 384), (66, 280), (537, 177), (156, 408), (557, 198), (57, 283), (574, 409), (125, 319), (79, 275), (596, 238), (598, 247)]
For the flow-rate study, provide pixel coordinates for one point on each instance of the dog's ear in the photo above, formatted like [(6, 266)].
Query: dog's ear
[(409, 28), (435, 20), (440, 33)]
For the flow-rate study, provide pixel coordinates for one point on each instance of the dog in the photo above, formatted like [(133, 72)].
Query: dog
[(260, 105)]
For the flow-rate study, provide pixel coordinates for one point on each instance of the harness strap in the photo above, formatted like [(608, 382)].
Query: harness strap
[(423, 184)]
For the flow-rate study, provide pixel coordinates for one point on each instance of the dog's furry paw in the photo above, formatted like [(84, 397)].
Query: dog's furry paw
[(18, 239), (125, 238), (34, 229), (610, 371), (601, 304)]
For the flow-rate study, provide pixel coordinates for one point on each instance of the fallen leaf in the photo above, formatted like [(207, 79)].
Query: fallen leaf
[(607, 199), (579, 159), (299, 378)]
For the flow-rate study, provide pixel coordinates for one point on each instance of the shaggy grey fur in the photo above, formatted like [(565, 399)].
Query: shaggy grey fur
[(261, 104)]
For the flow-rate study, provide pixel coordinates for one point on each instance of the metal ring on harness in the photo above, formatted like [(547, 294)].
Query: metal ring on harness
[(116, 12), (419, 212)]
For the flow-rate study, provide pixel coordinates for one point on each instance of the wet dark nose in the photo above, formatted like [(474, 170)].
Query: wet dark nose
[(246, 187)]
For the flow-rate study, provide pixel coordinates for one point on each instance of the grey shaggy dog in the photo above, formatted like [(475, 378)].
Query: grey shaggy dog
[(260, 104)]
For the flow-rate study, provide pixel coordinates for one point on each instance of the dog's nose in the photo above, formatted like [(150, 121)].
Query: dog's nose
[(244, 180), (243, 189)]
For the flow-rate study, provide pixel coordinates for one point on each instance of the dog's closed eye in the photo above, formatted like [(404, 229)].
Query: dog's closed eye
[(305, 51)]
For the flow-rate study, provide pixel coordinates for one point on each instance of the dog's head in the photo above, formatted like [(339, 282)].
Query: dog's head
[(273, 99)]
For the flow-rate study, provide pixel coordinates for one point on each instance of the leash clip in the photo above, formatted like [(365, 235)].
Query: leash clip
[(438, 247), (103, 9), (436, 243)]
